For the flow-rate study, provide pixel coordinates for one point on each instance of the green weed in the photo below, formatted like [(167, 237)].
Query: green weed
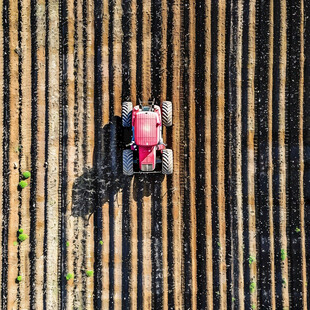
[(252, 287), (89, 273), (22, 184), (251, 259), (69, 276), (22, 237), (26, 174)]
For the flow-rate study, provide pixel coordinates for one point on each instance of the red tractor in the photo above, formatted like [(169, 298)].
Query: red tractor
[(146, 146)]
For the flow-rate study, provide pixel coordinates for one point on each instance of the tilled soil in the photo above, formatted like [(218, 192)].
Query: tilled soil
[(228, 230)]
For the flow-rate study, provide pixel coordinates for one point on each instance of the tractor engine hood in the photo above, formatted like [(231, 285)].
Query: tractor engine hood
[(146, 128)]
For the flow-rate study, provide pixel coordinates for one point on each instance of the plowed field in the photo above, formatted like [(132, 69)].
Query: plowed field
[(229, 229)]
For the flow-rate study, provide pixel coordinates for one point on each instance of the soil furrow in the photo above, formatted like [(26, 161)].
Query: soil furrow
[(133, 247), (236, 193), (177, 139), (139, 189), (20, 154), (207, 157), (111, 162), (293, 160), (201, 103), (146, 244), (164, 188), (238, 163), (306, 142), (52, 200), (71, 242), (31, 161), (102, 133), (139, 42), (88, 128), (301, 158), (186, 216), (251, 144), (227, 151), (2, 133), (126, 245), (248, 115), (63, 146), (41, 143), (275, 154), (99, 72), (220, 153), (116, 137), (46, 153), (270, 150), (101, 11), (5, 151), (216, 243), (14, 147), (133, 51), (156, 246), (232, 267), (156, 49), (282, 151), (192, 153)]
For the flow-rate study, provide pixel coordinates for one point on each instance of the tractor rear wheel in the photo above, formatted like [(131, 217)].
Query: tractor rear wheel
[(167, 113), (128, 162), (167, 162), (126, 114)]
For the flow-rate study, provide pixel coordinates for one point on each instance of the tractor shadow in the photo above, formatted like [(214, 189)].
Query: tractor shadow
[(94, 187)]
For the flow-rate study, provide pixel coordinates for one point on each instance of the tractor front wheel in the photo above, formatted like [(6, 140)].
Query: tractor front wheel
[(128, 162), (126, 114), (167, 162), (167, 113)]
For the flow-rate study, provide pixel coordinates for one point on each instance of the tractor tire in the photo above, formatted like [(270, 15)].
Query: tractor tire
[(167, 113), (167, 162), (126, 114), (128, 162)]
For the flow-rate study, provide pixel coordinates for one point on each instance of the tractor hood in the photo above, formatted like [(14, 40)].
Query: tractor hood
[(146, 128)]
